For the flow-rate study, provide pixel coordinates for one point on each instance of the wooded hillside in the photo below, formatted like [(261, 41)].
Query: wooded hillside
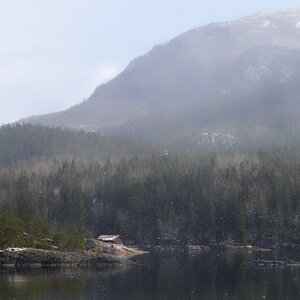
[(159, 197)]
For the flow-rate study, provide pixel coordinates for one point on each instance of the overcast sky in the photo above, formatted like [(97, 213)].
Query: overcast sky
[(54, 53)]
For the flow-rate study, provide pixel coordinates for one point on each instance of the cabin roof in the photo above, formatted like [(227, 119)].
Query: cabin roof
[(109, 237)]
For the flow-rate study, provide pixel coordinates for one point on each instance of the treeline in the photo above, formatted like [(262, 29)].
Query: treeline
[(28, 231), (20, 143), (166, 197)]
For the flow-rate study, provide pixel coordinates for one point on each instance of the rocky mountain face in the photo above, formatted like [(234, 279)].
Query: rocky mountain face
[(225, 82)]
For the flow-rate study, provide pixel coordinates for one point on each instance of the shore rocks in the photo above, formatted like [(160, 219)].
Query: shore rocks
[(199, 248), (270, 263), (276, 263), (43, 258)]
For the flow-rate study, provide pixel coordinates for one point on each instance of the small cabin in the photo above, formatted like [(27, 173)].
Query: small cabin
[(113, 239)]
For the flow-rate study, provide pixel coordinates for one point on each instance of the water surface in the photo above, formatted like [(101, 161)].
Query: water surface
[(159, 275)]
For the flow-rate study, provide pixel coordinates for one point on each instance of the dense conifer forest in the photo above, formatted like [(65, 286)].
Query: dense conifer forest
[(87, 184), (21, 143), (32, 232)]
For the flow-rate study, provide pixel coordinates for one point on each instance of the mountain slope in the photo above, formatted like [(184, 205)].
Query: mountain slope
[(231, 80)]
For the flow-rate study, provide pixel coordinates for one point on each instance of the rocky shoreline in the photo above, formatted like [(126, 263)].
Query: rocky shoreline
[(213, 247), (260, 256), (100, 255), (44, 258)]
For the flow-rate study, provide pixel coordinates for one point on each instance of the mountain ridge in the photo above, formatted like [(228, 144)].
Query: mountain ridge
[(205, 79)]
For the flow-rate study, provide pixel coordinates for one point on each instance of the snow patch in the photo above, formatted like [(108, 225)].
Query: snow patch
[(214, 139), (266, 23), (286, 72), (257, 73)]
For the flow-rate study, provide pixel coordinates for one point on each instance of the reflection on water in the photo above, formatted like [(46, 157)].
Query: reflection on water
[(159, 275)]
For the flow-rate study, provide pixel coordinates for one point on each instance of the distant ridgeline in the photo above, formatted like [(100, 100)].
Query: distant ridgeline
[(112, 186), (22, 143)]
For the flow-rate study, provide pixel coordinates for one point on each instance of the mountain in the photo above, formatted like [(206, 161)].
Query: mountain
[(224, 83)]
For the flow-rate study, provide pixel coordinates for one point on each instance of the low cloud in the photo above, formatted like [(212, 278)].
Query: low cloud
[(105, 73), (101, 74)]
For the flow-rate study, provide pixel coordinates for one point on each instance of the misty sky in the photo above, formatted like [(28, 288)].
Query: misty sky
[(54, 53)]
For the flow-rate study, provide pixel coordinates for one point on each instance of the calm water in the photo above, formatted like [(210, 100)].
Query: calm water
[(159, 275)]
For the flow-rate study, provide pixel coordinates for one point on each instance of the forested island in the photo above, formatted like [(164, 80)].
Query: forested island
[(68, 185)]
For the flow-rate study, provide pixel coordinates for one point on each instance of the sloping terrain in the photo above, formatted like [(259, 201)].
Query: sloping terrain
[(222, 83)]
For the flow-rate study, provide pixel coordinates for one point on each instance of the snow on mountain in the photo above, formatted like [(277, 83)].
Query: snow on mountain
[(241, 75)]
